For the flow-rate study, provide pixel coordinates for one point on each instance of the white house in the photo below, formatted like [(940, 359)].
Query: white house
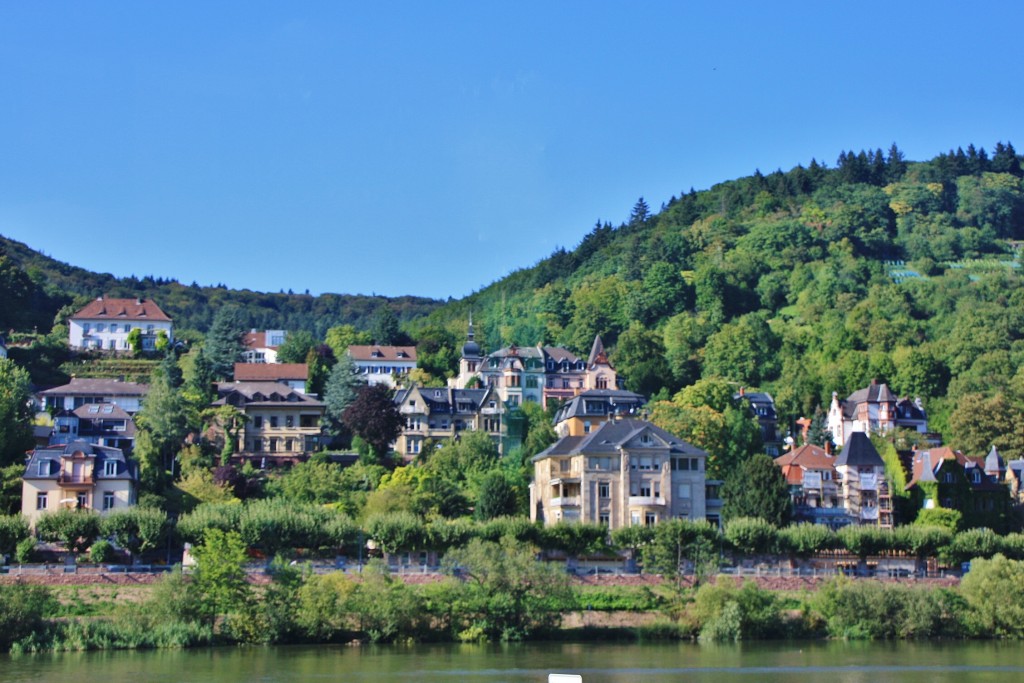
[(106, 323), (261, 347), (381, 364), (83, 391)]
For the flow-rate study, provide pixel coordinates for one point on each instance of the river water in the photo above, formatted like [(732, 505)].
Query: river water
[(803, 662)]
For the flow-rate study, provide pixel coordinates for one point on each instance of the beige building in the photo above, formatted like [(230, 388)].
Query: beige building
[(623, 473), (281, 423), (77, 475), (442, 413)]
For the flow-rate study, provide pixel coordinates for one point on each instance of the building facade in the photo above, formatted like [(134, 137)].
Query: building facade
[(444, 413), (383, 364), (106, 323), (281, 424), (261, 347), (874, 409), (77, 475), (624, 473), (102, 424), (586, 411), (863, 488), (82, 391)]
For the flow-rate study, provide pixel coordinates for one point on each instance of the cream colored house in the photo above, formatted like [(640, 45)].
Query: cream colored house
[(281, 423), (623, 473), (442, 413), (77, 475)]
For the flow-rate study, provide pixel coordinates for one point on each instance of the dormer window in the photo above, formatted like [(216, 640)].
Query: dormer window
[(43, 468), (109, 468), (976, 476)]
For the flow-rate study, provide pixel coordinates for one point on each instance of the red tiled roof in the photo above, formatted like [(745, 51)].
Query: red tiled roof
[(270, 372), (255, 340), (806, 457), (391, 353), (121, 309)]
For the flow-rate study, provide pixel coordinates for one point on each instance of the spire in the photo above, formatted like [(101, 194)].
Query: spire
[(597, 353), (470, 349)]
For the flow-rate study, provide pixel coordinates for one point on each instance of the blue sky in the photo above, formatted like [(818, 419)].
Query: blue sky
[(431, 148)]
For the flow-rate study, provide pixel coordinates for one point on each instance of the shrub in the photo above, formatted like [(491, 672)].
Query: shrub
[(992, 589), (26, 550), (101, 551), (873, 610), (804, 540), (76, 529), (752, 536), (22, 609), (13, 530), (726, 611)]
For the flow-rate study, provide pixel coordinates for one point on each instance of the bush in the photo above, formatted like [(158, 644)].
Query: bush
[(967, 545), (752, 536), (873, 610), (13, 530), (804, 540), (22, 609), (727, 612), (101, 551), (76, 529), (26, 550), (992, 589)]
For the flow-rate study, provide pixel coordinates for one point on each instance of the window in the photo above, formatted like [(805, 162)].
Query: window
[(43, 468), (684, 491), (40, 501), (289, 445), (108, 500), (586, 426), (100, 327), (645, 462), (86, 327), (257, 422), (289, 421), (109, 468), (634, 519), (111, 344), (604, 490), (273, 421), (604, 519), (273, 444), (650, 519), (645, 490), (564, 465), (81, 500)]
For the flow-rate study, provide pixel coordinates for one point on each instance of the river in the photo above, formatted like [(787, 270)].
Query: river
[(804, 662)]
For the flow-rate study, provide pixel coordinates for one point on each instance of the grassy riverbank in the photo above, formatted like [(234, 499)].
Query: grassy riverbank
[(485, 603)]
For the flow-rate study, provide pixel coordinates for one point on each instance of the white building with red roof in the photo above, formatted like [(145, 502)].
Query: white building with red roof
[(382, 364), (106, 323), (261, 347)]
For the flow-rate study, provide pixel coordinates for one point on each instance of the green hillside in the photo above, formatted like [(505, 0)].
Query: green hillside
[(36, 287), (801, 283)]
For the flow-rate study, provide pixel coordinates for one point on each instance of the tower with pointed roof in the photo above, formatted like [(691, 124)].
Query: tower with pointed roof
[(469, 362), (600, 373)]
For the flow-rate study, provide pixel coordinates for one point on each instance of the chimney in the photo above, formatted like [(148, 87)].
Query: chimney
[(138, 300)]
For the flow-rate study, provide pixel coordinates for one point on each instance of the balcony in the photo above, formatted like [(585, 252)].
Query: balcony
[(566, 502), (75, 480), (648, 501), (870, 514)]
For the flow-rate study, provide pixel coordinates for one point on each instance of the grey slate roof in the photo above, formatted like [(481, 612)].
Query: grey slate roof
[(447, 400), (859, 452), (610, 437), (993, 461), (583, 404), (51, 457), (873, 393)]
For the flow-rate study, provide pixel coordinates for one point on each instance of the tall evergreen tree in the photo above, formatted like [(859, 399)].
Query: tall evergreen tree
[(757, 489), (223, 346), (340, 391), (163, 423)]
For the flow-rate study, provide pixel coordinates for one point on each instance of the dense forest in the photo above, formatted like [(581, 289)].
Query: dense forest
[(34, 289), (800, 283)]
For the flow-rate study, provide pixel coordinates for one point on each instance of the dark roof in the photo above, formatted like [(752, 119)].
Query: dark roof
[(859, 452), (580, 405), (760, 402), (97, 411), (873, 393), (447, 400), (51, 457), (597, 353), (121, 309), (993, 461), (263, 393), (98, 387), (910, 410), (610, 437)]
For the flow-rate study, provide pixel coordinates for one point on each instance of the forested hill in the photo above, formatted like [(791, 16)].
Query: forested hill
[(36, 287), (802, 283)]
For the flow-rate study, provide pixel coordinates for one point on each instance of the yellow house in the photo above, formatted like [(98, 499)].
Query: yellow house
[(77, 475), (281, 424)]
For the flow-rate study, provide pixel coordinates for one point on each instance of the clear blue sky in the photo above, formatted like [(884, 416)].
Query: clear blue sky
[(431, 148)]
